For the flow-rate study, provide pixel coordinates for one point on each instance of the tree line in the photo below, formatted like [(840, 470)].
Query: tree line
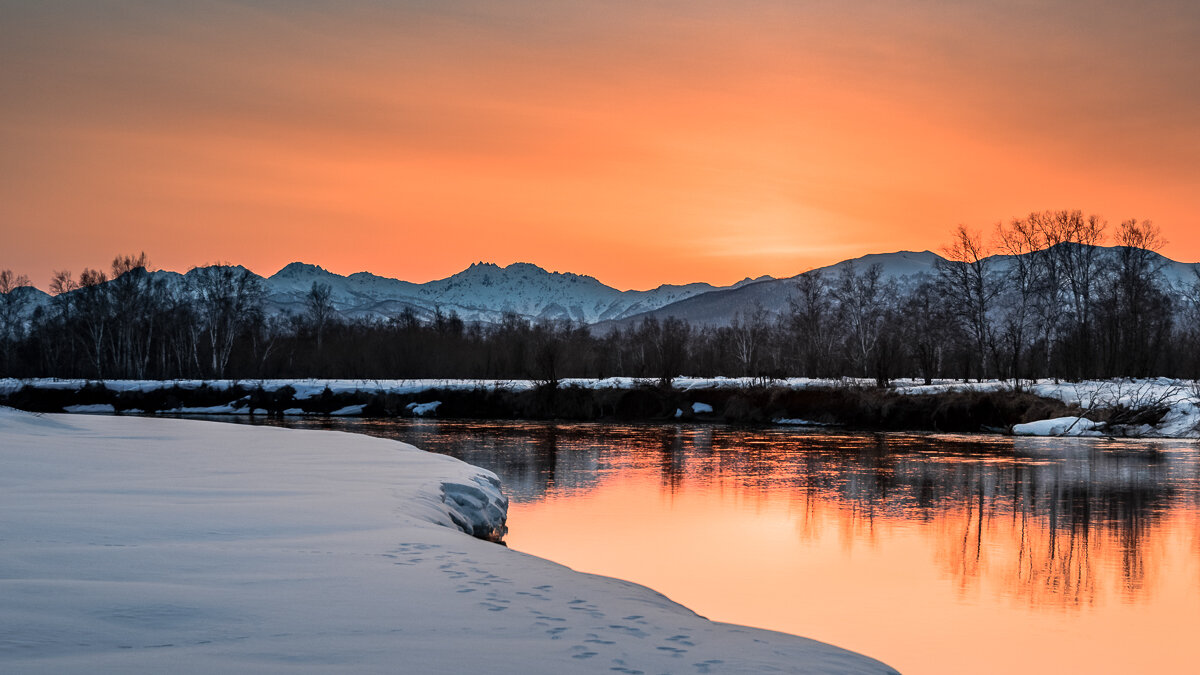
[(1039, 297)]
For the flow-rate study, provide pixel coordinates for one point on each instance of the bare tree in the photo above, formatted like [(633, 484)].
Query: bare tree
[(135, 302), (548, 352), (1073, 241), (58, 354), (93, 306), (230, 299), (671, 348), (749, 333), (1188, 330), (925, 325), (1135, 300), (811, 323), (969, 283), (319, 308), (13, 302), (62, 282), (1021, 242), (861, 304)]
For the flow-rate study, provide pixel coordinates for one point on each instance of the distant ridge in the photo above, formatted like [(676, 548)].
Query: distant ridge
[(720, 307), (485, 292)]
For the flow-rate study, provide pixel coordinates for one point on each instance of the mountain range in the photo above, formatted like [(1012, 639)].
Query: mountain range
[(482, 292), (485, 292)]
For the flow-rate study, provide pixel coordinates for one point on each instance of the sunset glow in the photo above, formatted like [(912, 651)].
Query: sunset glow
[(641, 144)]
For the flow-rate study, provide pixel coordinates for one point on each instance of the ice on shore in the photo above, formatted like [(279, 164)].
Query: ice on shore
[(91, 409), (798, 422), (141, 545), (1059, 426), (349, 411), (423, 409)]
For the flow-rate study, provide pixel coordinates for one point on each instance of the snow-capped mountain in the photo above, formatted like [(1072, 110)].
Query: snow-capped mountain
[(482, 292)]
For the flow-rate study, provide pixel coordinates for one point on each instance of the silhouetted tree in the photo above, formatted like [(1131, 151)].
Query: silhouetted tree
[(970, 285), (1073, 241), (13, 302), (812, 325), (319, 309), (1020, 241), (861, 305), (230, 300)]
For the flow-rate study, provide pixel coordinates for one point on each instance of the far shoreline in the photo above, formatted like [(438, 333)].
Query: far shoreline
[(1120, 408)]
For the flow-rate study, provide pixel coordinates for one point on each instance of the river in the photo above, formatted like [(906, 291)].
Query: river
[(932, 553)]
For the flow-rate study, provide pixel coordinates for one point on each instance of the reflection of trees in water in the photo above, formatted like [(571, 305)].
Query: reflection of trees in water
[(1056, 528), (1046, 519), (1049, 519), (1047, 522)]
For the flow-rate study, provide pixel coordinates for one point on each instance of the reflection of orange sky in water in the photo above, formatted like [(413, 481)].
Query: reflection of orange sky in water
[(1095, 601)]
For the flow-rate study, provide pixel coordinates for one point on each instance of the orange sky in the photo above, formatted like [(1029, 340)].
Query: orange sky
[(640, 143)]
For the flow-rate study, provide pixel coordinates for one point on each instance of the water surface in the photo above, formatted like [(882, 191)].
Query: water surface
[(933, 553)]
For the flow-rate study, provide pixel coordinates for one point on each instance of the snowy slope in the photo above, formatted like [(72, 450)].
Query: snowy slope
[(898, 266), (904, 268), (136, 545), (28, 299), (720, 307)]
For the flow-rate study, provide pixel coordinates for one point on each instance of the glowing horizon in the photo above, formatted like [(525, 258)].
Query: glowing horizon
[(641, 145)]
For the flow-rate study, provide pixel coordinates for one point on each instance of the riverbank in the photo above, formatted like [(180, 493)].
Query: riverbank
[(1147, 408), (146, 545)]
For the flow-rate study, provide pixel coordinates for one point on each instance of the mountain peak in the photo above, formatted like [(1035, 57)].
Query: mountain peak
[(527, 269), (300, 269), (753, 280)]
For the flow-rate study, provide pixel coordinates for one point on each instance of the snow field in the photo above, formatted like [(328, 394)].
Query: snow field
[(139, 545)]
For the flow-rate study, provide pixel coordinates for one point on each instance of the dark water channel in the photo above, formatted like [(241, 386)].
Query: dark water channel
[(933, 553)]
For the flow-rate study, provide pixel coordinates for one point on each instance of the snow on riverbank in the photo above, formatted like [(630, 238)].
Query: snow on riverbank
[(152, 545), (1179, 398), (309, 388)]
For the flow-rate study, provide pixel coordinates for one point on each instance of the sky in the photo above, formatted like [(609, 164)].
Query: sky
[(641, 142)]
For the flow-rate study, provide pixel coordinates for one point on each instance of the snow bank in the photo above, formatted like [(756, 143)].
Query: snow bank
[(1060, 426), (1180, 399), (139, 545)]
